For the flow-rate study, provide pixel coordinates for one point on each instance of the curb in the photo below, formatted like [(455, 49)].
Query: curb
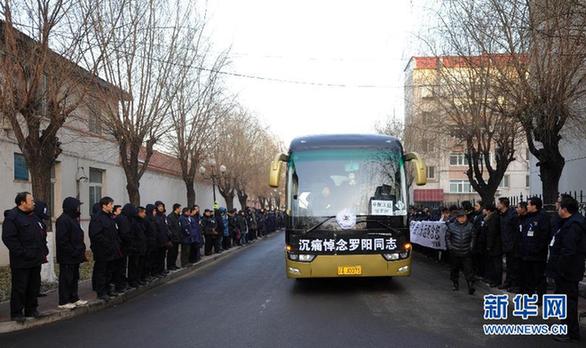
[(52, 316)]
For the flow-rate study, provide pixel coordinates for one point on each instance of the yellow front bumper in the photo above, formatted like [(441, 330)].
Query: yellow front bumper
[(326, 266)]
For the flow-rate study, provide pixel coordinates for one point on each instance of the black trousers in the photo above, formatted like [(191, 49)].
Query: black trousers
[(135, 268), (195, 252), (159, 260), (26, 285), (479, 264), (101, 276), (172, 254), (226, 242), (212, 243), (570, 288), (494, 269), (463, 263), (512, 271), (533, 279), (119, 272), (185, 253), (68, 283)]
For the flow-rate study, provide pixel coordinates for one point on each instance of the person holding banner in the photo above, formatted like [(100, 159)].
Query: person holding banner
[(459, 241)]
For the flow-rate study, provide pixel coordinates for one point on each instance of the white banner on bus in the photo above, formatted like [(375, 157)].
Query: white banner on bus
[(431, 234)]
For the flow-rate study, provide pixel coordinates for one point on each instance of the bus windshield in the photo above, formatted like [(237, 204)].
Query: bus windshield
[(323, 183)]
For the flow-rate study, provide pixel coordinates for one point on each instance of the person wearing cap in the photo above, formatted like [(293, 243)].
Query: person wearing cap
[(194, 250), (459, 242), (24, 236), (70, 248), (152, 252), (208, 224)]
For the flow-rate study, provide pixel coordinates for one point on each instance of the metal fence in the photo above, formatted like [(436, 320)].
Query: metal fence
[(579, 195)]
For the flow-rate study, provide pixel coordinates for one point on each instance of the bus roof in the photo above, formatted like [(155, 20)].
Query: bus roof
[(335, 141)]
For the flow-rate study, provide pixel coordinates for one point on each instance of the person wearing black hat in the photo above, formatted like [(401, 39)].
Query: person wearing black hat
[(42, 212), (70, 253), (208, 224), (459, 242), (23, 235)]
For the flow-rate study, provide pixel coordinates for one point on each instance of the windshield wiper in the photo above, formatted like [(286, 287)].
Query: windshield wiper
[(326, 219)]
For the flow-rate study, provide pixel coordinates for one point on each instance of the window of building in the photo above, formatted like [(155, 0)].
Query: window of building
[(458, 159), (95, 185), (527, 180), (20, 167), (460, 186), (94, 123), (430, 172), (505, 181)]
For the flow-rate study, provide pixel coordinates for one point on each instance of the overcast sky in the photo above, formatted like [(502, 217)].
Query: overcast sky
[(352, 43)]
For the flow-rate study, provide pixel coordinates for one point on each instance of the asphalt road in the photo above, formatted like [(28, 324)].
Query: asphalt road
[(245, 300)]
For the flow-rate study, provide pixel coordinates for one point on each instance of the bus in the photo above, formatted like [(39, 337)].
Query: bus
[(347, 205)]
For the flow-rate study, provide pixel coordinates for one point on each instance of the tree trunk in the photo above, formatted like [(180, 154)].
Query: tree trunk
[(229, 198), (132, 187), (550, 171), (242, 198), (40, 179), (190, 192)]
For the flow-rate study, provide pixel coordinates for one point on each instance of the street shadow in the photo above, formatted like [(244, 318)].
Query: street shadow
[(331, 286)]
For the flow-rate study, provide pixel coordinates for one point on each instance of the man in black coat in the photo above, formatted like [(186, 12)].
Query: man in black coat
[(175, 235), (137, 244), (150, 229), (23, 235), (535, 229), (567, 251), (105, 247), (494, 252), (510, 236), (459, 241), (163, 238), (70, 247)]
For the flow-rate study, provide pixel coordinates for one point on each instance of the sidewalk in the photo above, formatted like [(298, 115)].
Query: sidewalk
[(50, 312)]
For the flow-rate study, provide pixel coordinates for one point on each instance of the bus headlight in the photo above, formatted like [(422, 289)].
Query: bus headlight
[(306, 257), (293, 256), (391, 257)]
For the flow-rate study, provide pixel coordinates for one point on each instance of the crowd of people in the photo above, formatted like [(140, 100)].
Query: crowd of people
[(131, 246), (517, 248)]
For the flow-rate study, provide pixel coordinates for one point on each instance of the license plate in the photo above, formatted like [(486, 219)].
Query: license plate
[(349, 270)]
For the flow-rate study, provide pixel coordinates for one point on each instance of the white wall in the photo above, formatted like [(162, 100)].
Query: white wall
[(85, 152)]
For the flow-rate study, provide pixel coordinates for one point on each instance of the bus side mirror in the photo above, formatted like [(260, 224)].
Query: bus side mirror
[(420, 170), (275, 170)]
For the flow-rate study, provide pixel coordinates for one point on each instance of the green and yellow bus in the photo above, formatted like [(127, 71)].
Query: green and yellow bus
[(347, 206)]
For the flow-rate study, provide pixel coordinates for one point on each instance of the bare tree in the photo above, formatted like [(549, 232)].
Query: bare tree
[(544, 78), (41, 84), (391, 126), (198, 106), (140, 57)]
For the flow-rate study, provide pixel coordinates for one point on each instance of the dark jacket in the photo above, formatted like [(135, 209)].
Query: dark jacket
[(478, 238), (566, 259), (242, 224), (185, 223), (219, 223), (510, 234), (150, 228), (69, 239), (535, 229), (126, 225), (196, 229), (24, 236), (176, 234), (208, 225), (491, 229), (135, 236), (163, 234), (104, 240), (459, 238)]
